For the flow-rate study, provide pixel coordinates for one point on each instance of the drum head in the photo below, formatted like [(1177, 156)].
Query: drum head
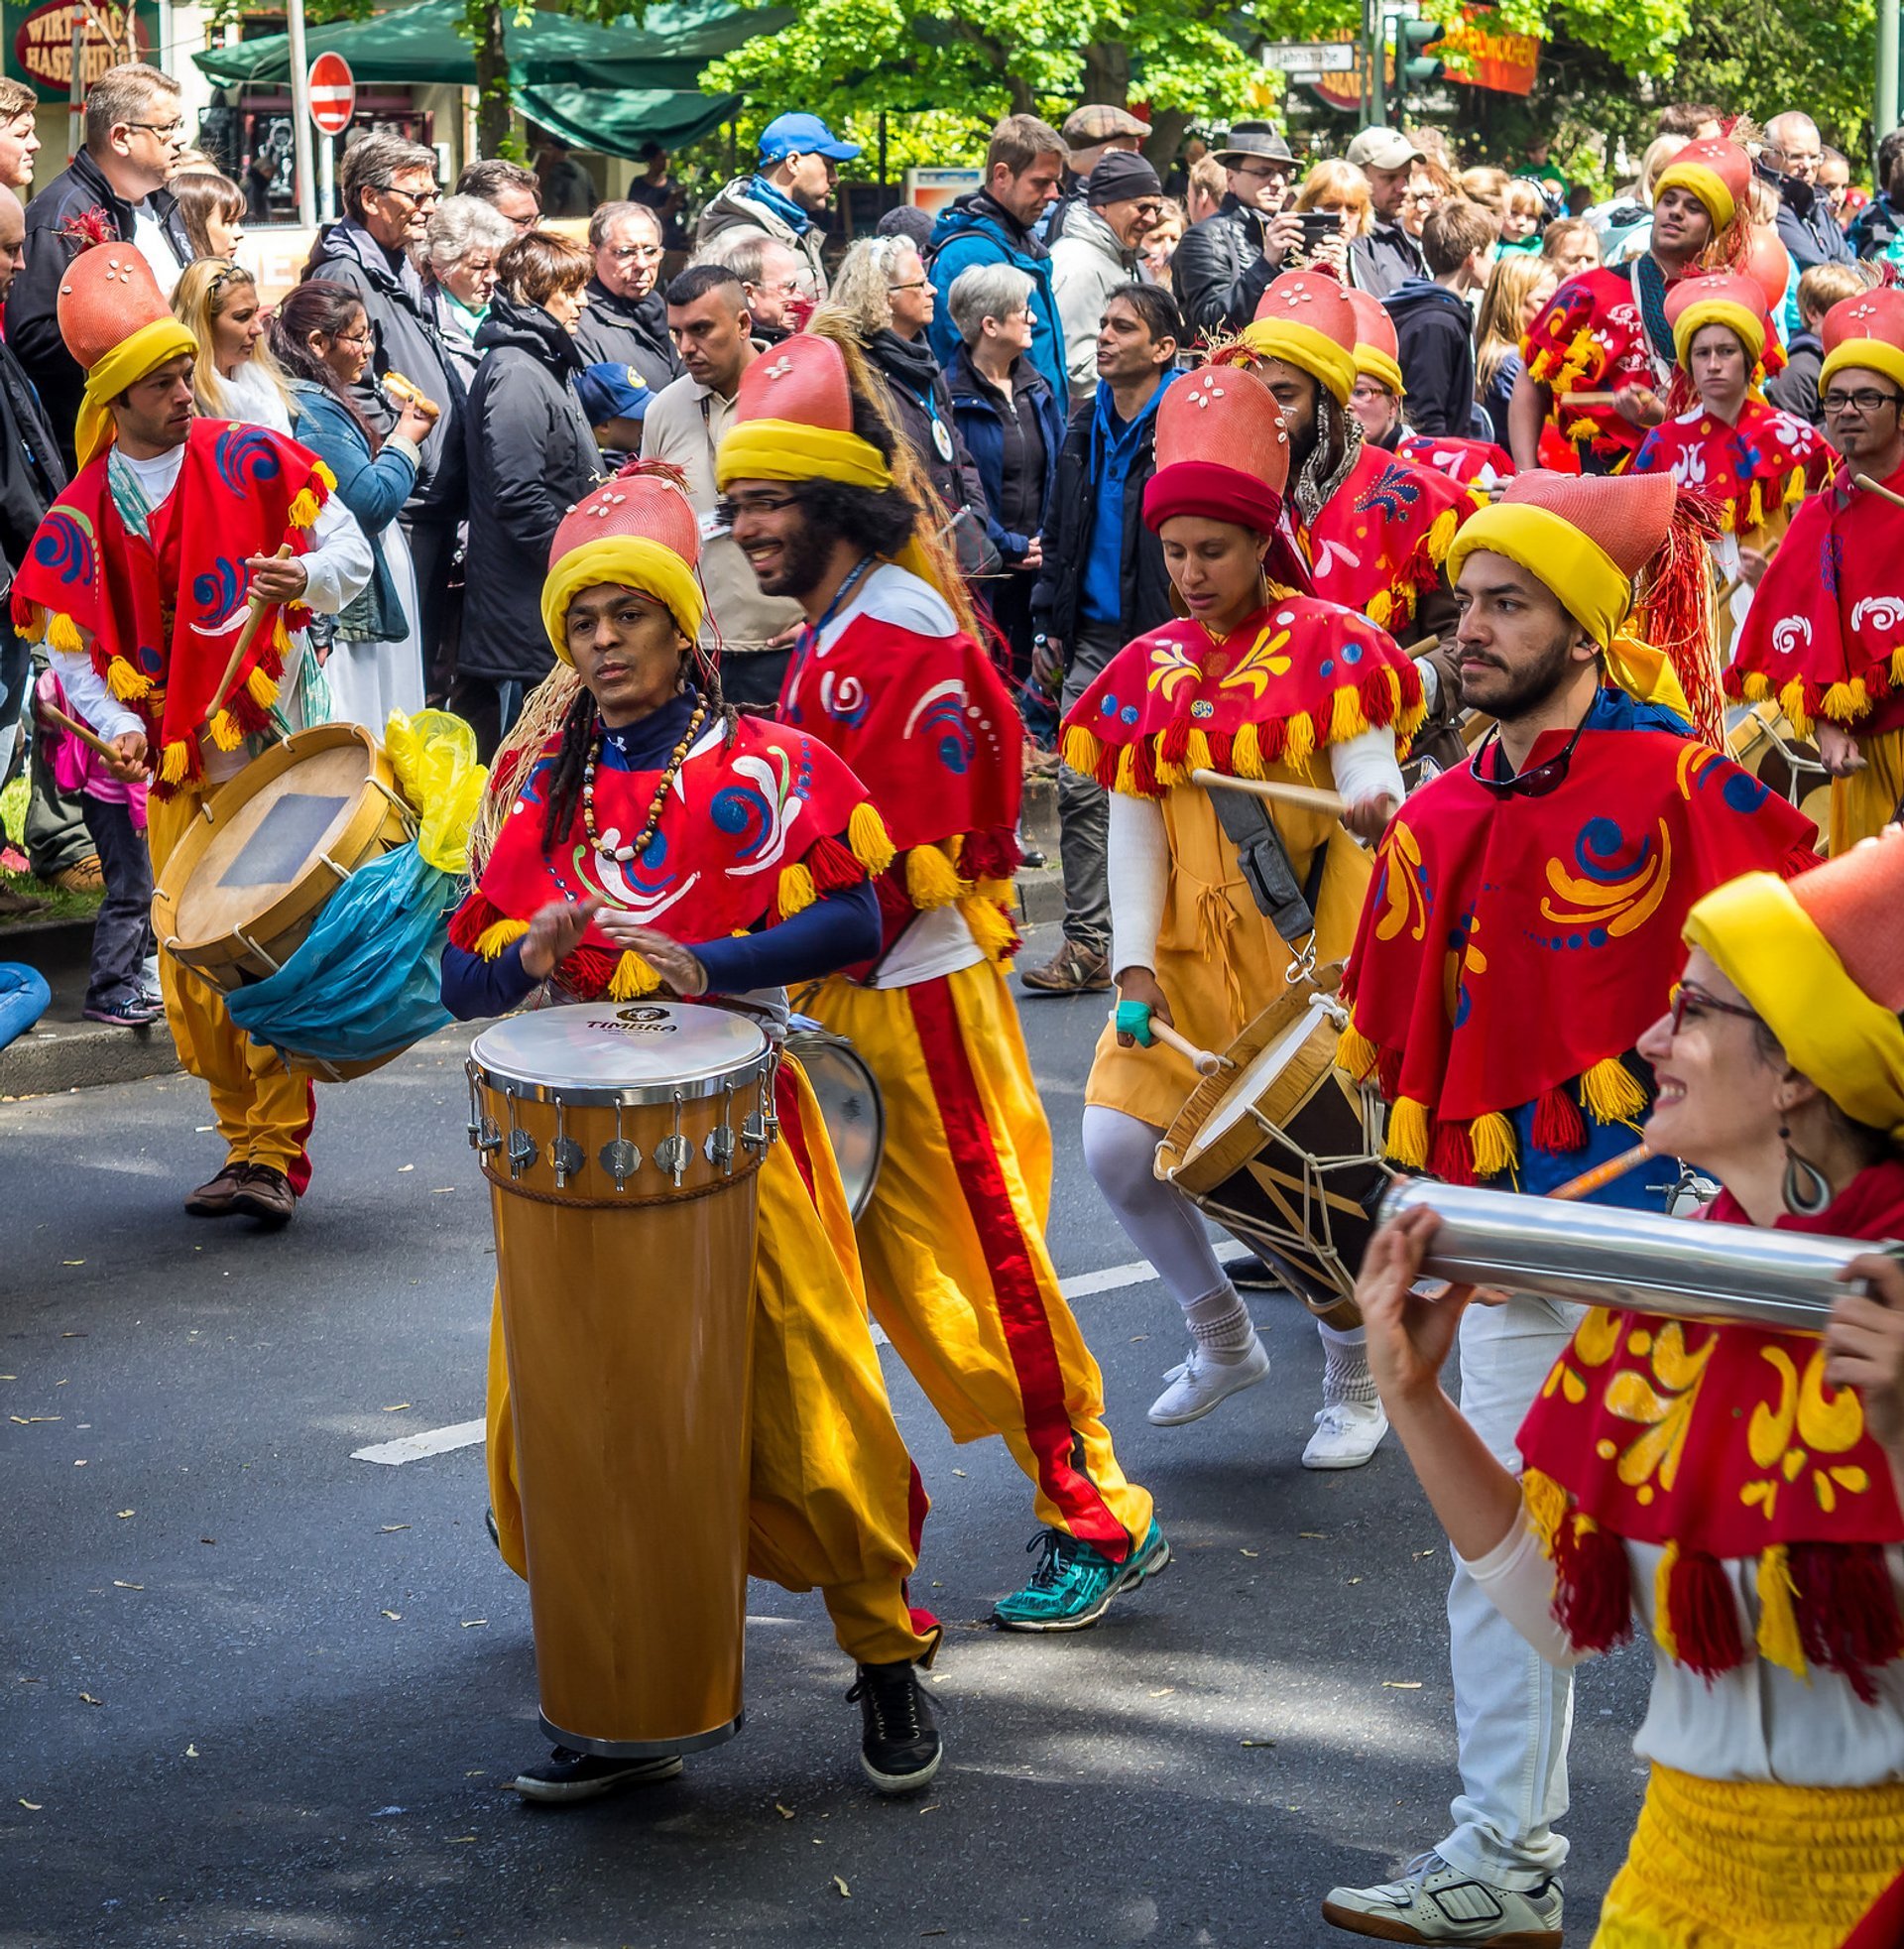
[(851, 1107), (1253, 1081), (621, 1051)]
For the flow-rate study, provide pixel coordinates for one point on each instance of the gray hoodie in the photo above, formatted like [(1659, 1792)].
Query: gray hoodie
[(1087, 265), (734, 209)]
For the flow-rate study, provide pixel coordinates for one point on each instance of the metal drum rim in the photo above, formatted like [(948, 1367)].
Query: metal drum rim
[(744, 1071)]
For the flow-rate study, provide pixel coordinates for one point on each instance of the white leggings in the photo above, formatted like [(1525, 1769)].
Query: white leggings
[(1120, 1151)]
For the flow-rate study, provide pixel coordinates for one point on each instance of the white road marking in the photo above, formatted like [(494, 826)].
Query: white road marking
[(468, 1434)]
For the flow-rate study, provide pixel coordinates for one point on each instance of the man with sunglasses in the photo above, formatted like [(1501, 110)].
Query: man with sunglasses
[(1224, 263), (113, 190), (1522, 931), (1825, 635)]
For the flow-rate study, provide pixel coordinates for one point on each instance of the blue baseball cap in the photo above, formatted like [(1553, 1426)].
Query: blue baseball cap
[(802, 135), (609, 391)]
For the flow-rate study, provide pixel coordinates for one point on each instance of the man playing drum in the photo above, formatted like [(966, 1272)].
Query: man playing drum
[(826, 505), (141, 579), (1254, 684), (638, 836), (1522, 931)]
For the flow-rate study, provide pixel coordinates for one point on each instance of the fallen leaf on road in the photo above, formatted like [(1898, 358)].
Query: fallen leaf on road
[(27, 1421), (123, 1513), (1248, 1552), (395, 1616), (8, 1377), (90, 1700), (391, 1529), (475, 1772), (439, 1189), (117, 1585), (784, 1812), (79, 1336), (70, 1262), (79, 1464), (470, 1623), (1401, 1684), (843, 1888), (1257, 1742), (1135, 1337), (32, 1806), (192, 1752), (958, 1471), (396, 1407), (1355, 1580), (931, 1807), (1165, 1693)]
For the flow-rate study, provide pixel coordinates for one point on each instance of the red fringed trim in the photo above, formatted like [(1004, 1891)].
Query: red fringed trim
[(247, 712), (472, 919), (1558, 1125), (1452, 1158), (1847, 1619), (1388, 1074), (1271, 740), (895, 909), (1174, 740), (1703, 1616), (1378, 701), (586, 971), (991, 854), (832, 866), (1143, 768), (1593, 1586)]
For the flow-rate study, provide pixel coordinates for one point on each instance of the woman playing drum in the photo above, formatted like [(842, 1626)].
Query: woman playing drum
[(1254, 684), (1734, 1489), (643, 837)]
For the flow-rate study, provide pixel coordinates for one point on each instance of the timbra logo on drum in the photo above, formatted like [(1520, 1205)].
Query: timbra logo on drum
[(637, 1021)]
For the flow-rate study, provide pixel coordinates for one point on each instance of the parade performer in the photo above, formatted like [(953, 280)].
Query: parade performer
[(139, 581), (1752, 462), (1760, 1546), (1605, 334), (1824, 638), (638, 836), (1262, 682), (1557, 864), (889, 674)]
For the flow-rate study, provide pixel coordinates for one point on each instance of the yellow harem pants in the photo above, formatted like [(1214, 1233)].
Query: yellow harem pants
[(833, 1499), (264, 1111), (953, 1242), (1863, 804)]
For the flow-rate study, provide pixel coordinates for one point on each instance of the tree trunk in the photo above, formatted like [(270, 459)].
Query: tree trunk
[(1107, 73), (1166, 138), (482, 24), (1024, 101)]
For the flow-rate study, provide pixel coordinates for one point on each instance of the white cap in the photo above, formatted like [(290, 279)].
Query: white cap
[(1382, 149)]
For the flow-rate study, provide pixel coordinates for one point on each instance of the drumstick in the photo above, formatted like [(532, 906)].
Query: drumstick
[(246, 636), (1309, 797), (1871, 486), (1590, 1181), (1592, 399), (1422, 648), (1726, 590), (73, 728), (1201, 1060)]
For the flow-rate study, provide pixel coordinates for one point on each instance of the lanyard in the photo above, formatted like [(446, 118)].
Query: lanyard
[(811, 632)]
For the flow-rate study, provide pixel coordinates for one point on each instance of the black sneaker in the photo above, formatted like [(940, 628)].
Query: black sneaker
[(134, 1012), (900, 1747), (568, 1776)]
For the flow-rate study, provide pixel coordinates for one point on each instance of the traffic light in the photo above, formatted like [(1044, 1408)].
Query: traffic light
[(1415, 63)]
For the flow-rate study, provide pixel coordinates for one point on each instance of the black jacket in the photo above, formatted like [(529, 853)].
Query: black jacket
[(32, 471), (54, 239), (629, 331), (1806, 226), (913, 378), (411, 341), (1434, 338), (1795, 390), (1219, 271), (1068, 518), (532, 457), (1385, 259)]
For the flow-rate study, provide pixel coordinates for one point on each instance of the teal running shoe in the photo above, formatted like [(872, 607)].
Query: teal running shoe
[(1072, 1588)]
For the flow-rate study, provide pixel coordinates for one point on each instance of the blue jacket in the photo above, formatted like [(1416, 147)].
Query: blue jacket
[(374, 489), (981, 415), (976, 230)]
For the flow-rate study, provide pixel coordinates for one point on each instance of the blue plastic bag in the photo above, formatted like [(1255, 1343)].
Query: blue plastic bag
[(24, 996)]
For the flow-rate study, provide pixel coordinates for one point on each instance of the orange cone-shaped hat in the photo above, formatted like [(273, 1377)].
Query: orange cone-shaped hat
[(1305, 319), (1377, 353), (639, 530)]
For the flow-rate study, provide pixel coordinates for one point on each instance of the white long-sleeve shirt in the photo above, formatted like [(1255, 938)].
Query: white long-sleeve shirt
[(336, 569)]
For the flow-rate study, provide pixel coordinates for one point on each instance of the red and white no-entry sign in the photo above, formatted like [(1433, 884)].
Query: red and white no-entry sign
[(334, 93)]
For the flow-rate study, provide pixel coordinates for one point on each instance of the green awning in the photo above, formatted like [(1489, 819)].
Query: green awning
[(418, 45), (617, 121)]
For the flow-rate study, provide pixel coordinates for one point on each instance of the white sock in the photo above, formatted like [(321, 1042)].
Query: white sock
[(1344, 1374), (1219, 1322)]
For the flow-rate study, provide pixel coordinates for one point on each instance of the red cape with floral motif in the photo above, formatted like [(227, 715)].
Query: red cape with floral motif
[(1293, 677), (752, 831), (1825, 635), (161, 619), (1465, 462), (1513, 948), (1716, 1443), (1380, 538), (1766, 461)]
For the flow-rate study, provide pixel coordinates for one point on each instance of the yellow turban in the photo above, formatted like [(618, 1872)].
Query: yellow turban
[(130, 360), (632, 561)]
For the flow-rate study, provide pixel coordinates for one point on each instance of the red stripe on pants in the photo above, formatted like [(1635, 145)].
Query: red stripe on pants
[(1015, 1279), (787, 1106)]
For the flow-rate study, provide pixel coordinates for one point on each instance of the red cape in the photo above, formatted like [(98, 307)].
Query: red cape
[(1465, 462), (1749, 471)]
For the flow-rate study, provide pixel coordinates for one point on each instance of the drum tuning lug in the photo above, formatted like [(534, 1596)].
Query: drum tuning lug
[(719, 1147), (567, 1157), (489, 1135), (673, 1153), (522, 1151), (620, 1160)]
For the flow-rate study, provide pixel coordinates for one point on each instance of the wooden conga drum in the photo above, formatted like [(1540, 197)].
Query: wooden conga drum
[(621, 1142)]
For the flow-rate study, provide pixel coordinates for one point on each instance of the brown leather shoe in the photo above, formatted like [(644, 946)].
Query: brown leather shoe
[(218, 1198), (1072, 970), (265, 1193), (84, 876)]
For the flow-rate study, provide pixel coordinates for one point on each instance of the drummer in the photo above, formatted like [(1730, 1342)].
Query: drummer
[(138, 581), (638, 839), (1760, 1546), (1521, 931), (1259, 683)]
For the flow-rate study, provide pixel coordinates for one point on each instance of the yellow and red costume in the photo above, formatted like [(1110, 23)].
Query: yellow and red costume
[(1377, 540), (1826, 635), (953, 1240), (757, 827)]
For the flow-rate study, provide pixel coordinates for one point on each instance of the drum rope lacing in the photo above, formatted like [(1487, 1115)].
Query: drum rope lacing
[(676, 759)]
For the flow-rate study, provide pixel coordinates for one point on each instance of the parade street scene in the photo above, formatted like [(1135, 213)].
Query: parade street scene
[(951, 976)]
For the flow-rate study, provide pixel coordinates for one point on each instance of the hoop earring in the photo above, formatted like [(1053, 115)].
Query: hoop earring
[(1806, 1189)]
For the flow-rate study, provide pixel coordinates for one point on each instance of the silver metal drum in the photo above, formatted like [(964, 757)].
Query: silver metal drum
[(850, 1103)]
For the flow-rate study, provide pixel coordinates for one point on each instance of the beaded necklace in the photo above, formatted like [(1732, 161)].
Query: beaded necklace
[(676, 759)]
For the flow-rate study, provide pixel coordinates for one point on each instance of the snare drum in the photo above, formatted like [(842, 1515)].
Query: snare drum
[(1283, 1153), (1759, 737), (622, 1145), (851, 1105)]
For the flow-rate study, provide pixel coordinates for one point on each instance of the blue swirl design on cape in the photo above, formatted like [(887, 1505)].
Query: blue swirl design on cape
[(245, 456), (746, 815), (65, 545)]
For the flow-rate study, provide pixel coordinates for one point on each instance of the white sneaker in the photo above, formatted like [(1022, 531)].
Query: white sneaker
[(1202, 1383), (1347, 1435), (1434, 1903)]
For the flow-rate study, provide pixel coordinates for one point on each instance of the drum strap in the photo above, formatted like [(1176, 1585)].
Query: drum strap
[(1266, 870)]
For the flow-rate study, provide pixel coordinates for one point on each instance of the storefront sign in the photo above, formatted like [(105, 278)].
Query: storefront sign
[(38, 43)]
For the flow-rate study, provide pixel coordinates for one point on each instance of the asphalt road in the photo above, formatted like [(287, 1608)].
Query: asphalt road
[(213, 1729)]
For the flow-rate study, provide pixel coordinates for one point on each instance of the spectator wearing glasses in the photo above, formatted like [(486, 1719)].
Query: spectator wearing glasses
[(1224, 263), (1790, 161), (465, 237), (626, 323), (513, 191), (134, 128), (1427, 191), (1100, 248), (388, 192), (775, 280)]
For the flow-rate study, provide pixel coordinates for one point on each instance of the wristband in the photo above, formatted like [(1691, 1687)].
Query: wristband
[(1133, 1018)]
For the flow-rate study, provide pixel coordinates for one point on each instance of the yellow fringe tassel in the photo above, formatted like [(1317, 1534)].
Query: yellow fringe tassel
[(1663, 1633), (225, 732), (174, 766), (1546, 1504), (1844, 703), (796, 891), (866, 835), (1246, 751), (1299, 740), (303, 510), (1379, 608), (498, 935), (62, 634), (326, 478), (1779, 1642), (263, 687), (633, 978), (990, 928), (931, 880), (125, 683), (1347, 719), (1791, 700), (1126, 780), (1355, 1054), (1756, 686), (1611, 1093), (1897, 665), (1408, 1133), (1082, 751), (35, 626), (1493, 1139), (1442, 533)]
